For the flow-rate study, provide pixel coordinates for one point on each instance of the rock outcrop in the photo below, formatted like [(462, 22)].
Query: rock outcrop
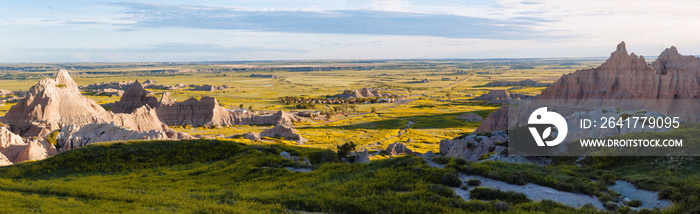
[(36, 150), (362, 93), (206, 87), (397, 149), (362, 157), (526, 82), (14, 150), (51, 104), (5, 92), (623, 77), (252, 136), (136, 96), (500, 95), (193, 112), (11, 145), (498, 120), (473, 147), (470, 117), (284, 132), (72, 137), (56, 103)]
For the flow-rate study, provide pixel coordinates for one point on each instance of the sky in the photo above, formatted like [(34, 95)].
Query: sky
[(208, 30)]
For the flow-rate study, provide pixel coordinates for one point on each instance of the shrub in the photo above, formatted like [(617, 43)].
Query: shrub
[(345, 149), (482, 193), (624, 210), (635, 203), (609, 178), (610, 205), (440, 190), (441, 159), (517, 178), (563, 186), (670, 193), (474, 182), (501, 206), (460, 161), (451, 179), (51, 139)]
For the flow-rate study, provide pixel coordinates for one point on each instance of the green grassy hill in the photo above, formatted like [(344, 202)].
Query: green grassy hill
[(209, 176)]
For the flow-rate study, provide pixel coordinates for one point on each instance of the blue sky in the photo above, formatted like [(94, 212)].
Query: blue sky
[(119, 31)]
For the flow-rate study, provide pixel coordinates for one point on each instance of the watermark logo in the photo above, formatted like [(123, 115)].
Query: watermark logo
[(541, 123)]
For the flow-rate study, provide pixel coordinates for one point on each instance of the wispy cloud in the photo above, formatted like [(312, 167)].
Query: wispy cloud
[(372, 22), (167, 48)]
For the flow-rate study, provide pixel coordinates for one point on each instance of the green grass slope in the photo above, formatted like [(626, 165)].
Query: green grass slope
[(209, 176)]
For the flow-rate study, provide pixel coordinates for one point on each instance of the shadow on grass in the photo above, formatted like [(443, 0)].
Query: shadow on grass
[(434, 121)]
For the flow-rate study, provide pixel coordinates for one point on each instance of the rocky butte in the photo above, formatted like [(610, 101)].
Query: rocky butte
[(56, 103), (196, 112), (622, 77), (56, 106)]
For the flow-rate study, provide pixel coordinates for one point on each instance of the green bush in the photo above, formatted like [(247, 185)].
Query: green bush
[(624, 210), (474, 182), (635, 203), (441, 159), (670, 193), (483, 193), (51, 139), (610, 205), (451, 179), (345, 149)]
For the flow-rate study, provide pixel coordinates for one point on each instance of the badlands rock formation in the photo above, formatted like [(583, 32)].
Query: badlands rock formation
[(526, 82), (252, 136), (136, 96), (56, 103), (207, 111), (5, 92), (285, 132), (118, 88), (500, 94), (498, 120), (397, 149), (14, 150), (623, 76), (470, 117), (209, 87), (472, 147), (71, 137), (362, 93)]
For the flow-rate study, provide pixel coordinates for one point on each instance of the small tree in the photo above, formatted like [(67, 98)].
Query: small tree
[(240, 106), (250, 108), (373, 109), (328, 115), (345, 149)]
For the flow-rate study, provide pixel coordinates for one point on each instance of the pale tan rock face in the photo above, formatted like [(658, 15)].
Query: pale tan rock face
[(50, 105), (143, 118), (11, 145), (56, 103), (72, 137), (397, 149), (207, 111), (4, 161), (136, 96), (283, 131), (36, 150), (622, 76)]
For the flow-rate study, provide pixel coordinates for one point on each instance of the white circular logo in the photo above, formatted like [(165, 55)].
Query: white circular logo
[(545, 120)]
